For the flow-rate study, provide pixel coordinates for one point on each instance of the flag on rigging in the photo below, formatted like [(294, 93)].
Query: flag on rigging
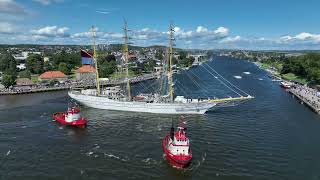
[(86, 57)]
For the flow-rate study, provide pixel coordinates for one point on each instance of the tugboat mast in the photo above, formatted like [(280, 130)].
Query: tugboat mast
[(170, 75), (126, 56), (93, 30)]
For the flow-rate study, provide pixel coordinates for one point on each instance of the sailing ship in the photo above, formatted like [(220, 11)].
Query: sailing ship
[(113, 98)]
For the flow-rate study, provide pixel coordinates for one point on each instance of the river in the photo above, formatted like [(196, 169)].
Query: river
[(270, 137)]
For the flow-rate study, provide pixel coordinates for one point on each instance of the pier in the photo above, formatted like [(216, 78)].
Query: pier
[(307, 95)]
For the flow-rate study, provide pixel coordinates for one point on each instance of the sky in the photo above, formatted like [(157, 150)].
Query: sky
[(202, 24)]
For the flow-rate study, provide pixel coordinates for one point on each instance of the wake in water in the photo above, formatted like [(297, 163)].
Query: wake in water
[(150, 161), (95, 150), (194, 165), (197, 164)]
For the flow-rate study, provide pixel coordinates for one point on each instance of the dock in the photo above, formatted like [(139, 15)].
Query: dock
[(307, 95)]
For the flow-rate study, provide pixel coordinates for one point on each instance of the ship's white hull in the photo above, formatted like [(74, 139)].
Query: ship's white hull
[(134, 106)]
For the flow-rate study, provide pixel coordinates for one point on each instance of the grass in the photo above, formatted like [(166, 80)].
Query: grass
[(35, 78), (73, 75), (122, 75), (264, 65), (276, 65), (294, 78)]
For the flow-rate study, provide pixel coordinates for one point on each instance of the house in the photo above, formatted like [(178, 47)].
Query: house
[(24, 82), (53, 75), (86, 72), (46, 59)]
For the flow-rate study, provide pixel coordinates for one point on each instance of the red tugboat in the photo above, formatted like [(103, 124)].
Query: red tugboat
[(71, 118), (176, 146)]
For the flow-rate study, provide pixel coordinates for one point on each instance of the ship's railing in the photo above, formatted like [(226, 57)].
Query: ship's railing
[(231, 99)]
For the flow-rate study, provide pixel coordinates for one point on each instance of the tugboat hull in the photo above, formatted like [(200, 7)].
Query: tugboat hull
[(178, 161), (60, 117)]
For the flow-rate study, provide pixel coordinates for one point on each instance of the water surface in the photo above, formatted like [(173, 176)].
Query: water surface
[(270, 137)]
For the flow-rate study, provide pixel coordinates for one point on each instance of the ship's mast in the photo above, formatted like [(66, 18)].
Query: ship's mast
[(170, 74), (126, 56), (93, 30)]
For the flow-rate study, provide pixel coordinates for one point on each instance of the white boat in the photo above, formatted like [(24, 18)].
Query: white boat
[(286, 84), (112, 98), (237, 77)]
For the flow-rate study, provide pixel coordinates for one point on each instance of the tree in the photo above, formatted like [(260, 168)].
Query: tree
[(9, 79), (107, 68), (7, 62), (71, 60), (63, 67), (108, 58), (182, 55), (35, 63), (47, 66), (159, 55), (25, 74), (149, 66), (187, 62)]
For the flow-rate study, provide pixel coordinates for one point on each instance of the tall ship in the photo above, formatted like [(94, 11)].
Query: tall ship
[(121, 99)]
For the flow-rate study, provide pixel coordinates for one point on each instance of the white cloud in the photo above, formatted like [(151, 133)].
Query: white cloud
[(7, 28), (51, 31), (201, 29), (304, 36), (102, 12), (231, 39), (47, 2), (113, 35), (11, 7), (82, 35), (222, 31)]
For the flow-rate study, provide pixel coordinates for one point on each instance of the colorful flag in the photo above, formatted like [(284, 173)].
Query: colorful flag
[(86, 57)]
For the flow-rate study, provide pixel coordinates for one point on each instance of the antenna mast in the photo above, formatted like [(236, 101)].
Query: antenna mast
[(93, 30), (126, 55)]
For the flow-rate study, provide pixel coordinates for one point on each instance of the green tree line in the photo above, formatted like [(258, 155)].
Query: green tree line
[(307, 66)]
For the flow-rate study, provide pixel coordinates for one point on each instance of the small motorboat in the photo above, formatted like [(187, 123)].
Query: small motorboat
[(285, 85), (71, 118), (176, 146)]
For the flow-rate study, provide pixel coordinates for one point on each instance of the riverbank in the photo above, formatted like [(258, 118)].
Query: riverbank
[(308, 96), (275, 73), (75, 84)]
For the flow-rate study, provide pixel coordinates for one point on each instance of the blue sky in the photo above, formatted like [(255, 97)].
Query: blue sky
[(208, 24)]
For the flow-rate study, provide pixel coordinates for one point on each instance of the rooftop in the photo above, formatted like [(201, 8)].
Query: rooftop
[(24, 82), (52, 75), (86, 69)]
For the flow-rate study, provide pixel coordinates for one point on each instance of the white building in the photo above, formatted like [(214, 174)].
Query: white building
[(21, 66)]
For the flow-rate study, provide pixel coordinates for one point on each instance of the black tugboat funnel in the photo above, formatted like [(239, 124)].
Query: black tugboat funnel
[(171, 130)]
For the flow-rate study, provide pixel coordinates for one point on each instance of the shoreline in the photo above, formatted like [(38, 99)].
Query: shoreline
[(306, 95), (136, 79)]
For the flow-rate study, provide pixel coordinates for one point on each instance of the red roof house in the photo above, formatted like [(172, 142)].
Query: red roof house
[(86, 72), (51, 75)]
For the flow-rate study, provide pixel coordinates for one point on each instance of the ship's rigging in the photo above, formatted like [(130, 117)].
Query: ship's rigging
[(165, 98)]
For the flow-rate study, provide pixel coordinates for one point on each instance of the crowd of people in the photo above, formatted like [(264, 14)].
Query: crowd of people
[(310, 95)]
